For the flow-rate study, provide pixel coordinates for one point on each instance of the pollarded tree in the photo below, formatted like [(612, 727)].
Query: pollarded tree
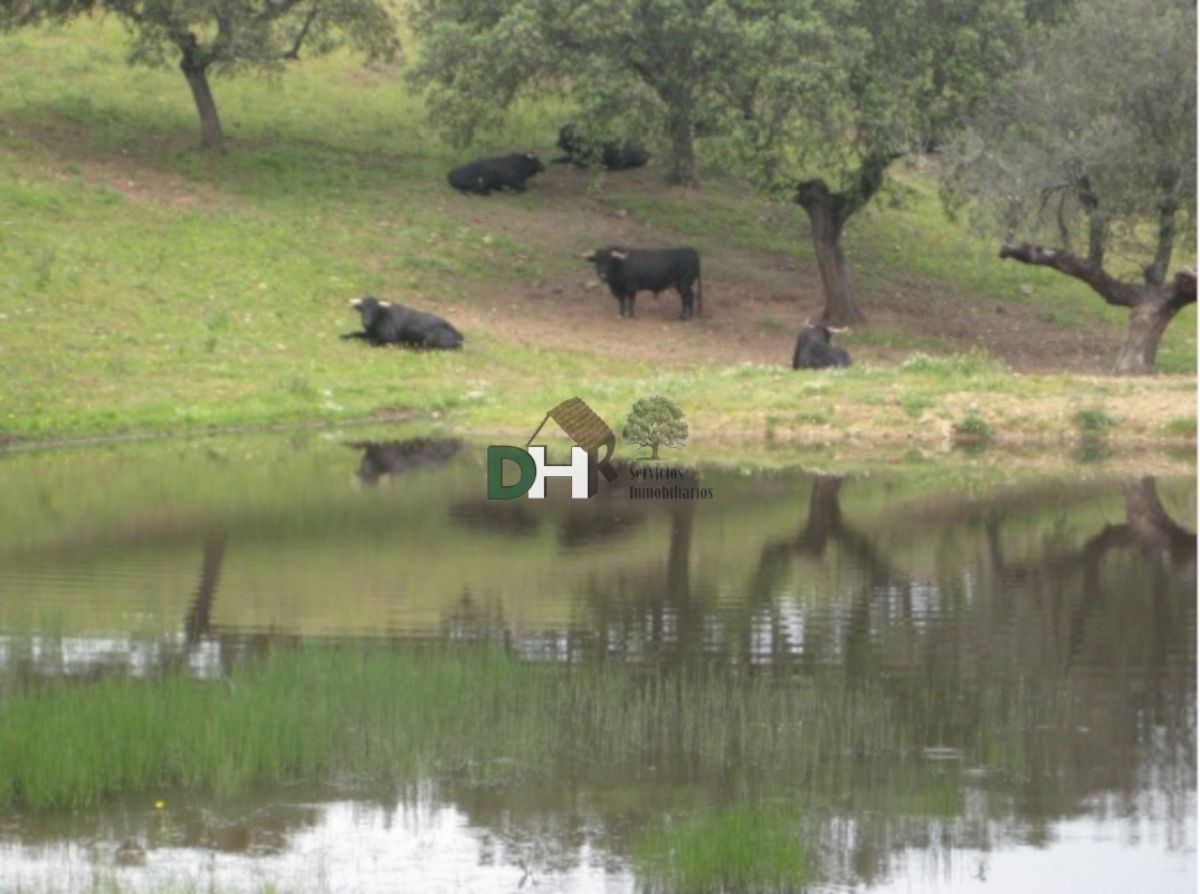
[(225, 35), (849, 86), (619, 60), (1087, 159), (656, 422)]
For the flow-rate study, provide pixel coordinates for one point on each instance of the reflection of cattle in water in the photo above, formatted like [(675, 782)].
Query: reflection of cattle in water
[(609, 515), (381, 459), (512, 517), (612, 513)]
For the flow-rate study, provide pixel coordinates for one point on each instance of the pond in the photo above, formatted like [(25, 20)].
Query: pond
[(326, 662)]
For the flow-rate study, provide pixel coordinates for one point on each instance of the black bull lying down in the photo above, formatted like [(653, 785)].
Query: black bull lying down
[(494, 174), (387, 324), (814, 350), (614, 155), (631, 270)]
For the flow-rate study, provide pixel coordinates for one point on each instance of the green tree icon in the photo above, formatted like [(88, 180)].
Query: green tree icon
[(656, 422)]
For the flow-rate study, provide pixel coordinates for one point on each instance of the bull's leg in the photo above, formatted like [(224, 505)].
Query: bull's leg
[(632, 296), (688, 299)]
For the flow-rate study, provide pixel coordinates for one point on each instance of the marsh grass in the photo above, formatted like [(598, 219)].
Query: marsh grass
[(371, 715), (740, 848), (357, 714)]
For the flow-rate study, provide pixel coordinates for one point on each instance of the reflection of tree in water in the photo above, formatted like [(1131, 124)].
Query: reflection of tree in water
[(1061, 678), (202, 643), (656, 613), (824, 528), (474, 620), (1068, 674), (198, 622)]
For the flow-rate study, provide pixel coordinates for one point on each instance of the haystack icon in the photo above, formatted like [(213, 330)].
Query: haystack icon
[(588, 431)]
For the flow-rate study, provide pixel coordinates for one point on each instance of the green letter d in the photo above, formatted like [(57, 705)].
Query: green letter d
[(496, 489)]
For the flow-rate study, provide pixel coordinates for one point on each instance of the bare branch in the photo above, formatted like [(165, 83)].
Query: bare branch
[(1111, 290), (294, 52)]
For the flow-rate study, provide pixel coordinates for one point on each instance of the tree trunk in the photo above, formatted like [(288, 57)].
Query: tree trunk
[(654, 451), (1151, 307), (828, 212), (826, 219), (683, 150), (211, 135), (1147, 322), (194, 65)]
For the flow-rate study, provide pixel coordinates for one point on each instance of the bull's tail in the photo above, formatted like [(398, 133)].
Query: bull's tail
[(699, 294)]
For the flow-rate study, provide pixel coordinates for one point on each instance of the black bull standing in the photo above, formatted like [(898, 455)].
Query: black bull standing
[(631, 270)]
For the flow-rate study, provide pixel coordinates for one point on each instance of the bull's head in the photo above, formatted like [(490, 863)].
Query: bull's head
[(369, 306), (603, 259)]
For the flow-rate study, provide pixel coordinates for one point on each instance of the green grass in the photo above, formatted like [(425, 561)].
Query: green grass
[(1093, 421), (1182, 426), (742, 848), (973, 429)]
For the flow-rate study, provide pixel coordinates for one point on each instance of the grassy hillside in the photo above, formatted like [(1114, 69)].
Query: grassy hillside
[(147, 286)]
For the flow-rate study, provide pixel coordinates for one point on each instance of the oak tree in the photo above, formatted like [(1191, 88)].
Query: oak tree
[(1086, 160), (206, 36)]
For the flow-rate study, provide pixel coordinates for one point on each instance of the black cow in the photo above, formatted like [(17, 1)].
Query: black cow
[(615, 155), (631, 270), (814, 351), (503, 172), (395, 324)]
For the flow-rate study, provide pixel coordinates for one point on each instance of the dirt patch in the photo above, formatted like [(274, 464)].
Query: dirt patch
[(139, 176), (755, 303)]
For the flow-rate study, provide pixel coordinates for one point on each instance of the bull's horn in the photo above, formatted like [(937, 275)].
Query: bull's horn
[(354, 302), (385, 304), (838, 328), (588, 256), (619, 255)]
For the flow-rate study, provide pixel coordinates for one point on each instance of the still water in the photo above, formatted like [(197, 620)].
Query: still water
[(941, 680)]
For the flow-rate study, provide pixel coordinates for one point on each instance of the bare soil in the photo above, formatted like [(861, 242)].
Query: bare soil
[(754, 302)]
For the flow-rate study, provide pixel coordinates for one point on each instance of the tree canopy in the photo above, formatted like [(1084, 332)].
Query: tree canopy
[(1085, 159), (649, 65), (820, 119)]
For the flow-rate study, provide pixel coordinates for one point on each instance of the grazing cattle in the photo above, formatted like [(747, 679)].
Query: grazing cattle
[(383, 459), (615, 155), (489, 174), (631, 270), (814, 351), (395, 324)]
